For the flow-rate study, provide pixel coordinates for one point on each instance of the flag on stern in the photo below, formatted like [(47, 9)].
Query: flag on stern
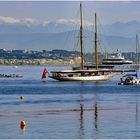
[(44, 74)]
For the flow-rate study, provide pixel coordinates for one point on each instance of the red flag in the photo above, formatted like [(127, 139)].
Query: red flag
[(44, 74)]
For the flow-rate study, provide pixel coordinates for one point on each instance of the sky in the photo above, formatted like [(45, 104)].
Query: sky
[(107, 11)]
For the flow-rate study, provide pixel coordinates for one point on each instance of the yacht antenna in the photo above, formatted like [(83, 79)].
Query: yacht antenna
[(137, 48)]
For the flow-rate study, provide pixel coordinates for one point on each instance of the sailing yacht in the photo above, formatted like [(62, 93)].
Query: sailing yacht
[(82, 74)]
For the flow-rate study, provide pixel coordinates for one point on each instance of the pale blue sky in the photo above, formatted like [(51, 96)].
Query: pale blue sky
[(107, 11)]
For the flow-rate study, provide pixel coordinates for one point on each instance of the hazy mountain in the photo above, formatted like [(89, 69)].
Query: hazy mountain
[(49, 41), (118, 28), (64, 36), (35, 41), (36, 28), (128, 29)]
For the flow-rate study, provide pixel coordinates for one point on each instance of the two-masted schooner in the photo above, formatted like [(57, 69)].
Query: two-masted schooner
[(82, 74)]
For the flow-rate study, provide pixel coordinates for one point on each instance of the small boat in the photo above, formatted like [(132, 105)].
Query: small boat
[(130, 79), (16, 67), (10, 76), (82, 74)]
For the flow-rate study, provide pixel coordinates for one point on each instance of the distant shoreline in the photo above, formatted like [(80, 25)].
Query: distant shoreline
[(34, 62)]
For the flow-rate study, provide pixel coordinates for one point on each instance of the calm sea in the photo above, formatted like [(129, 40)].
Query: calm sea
[(53, 109)]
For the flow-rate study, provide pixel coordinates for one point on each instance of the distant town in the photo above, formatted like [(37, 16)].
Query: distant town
[(53, 57)]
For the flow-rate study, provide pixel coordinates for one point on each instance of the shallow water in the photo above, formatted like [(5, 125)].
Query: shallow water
[(62, 110)]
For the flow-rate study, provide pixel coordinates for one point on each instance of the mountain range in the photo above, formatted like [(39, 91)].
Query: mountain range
[(64, 35)]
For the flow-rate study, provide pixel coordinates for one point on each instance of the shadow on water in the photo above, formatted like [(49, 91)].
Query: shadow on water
[(96, 114), (91, 99), (98, 131), (81, 131), (83, 111), (81, 121)]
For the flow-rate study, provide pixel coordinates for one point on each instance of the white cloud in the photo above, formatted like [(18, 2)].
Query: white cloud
[(72, 21), (8, 20), (12, 20), (28, 21), (31, 21), (45, 23)]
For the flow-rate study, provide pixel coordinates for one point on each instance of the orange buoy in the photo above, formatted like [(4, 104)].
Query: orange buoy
[(21, 97), (22, 124)]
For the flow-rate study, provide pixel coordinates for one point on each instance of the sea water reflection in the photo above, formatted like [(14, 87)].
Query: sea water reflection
[(95, 123), (93, 109), (67, 109)]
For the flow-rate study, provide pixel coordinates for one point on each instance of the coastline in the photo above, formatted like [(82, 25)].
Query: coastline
[(37, 62)]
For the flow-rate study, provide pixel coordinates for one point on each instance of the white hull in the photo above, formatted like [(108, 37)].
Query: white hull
[(130, 79), (116, 59), (82, 78), (117, 62), (136, 81), (127, 67)]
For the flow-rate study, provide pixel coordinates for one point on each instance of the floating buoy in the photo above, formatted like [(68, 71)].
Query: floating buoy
[(21, 97), (22, 124)]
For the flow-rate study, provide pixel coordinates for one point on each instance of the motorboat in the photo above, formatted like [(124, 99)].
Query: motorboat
[(116, 59), (129, 79)]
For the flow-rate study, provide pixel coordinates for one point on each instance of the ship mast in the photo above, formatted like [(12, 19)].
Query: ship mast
[(81, 38), (96, 49), (137, 47)]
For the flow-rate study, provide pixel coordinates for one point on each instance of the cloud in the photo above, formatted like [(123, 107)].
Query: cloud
[(32, 21), (12, 20), (71, 21), (28, 21), (9, 20)]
